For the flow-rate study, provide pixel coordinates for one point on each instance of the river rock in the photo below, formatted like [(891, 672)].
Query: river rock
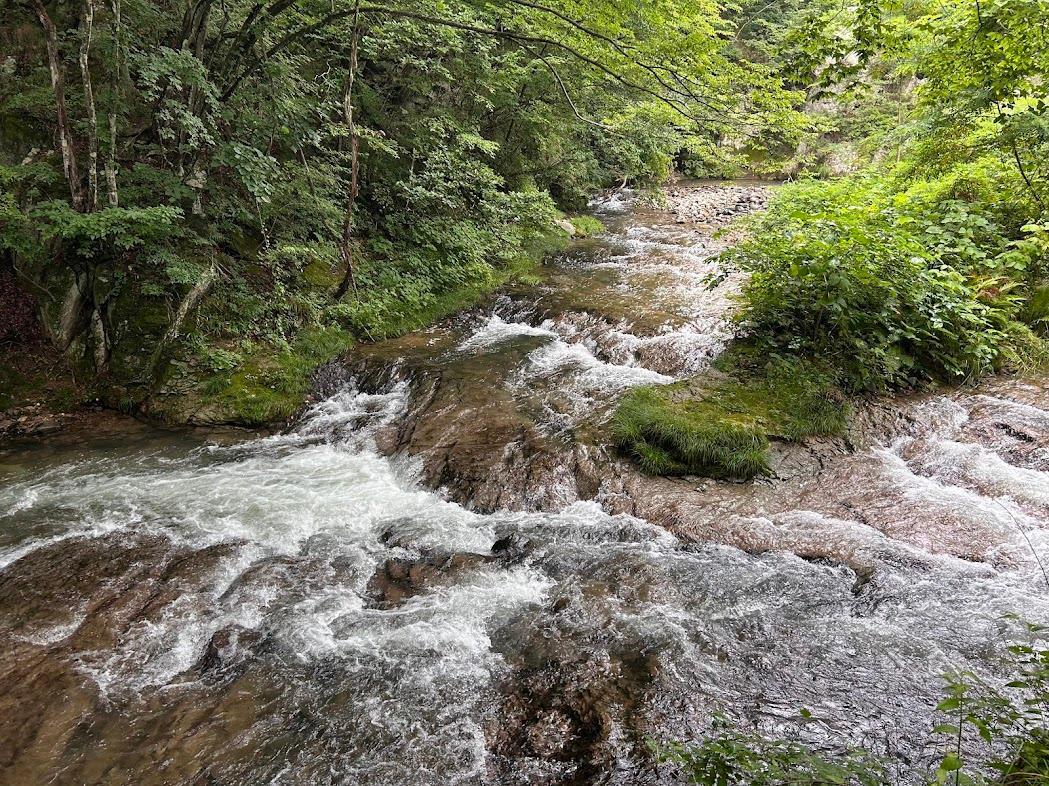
[(400, 578), (565, 226)]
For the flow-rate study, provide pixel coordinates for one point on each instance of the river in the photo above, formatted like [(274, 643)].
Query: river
[(440, 574)]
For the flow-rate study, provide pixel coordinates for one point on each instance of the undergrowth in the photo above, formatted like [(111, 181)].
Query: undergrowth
[(899, 278), (263, 380)]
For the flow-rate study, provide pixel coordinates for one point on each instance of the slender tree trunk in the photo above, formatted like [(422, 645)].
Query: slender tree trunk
[(195, 43), (101, 341), (111, 162), (186, 307), (71, 316), (346, 244), (88, 23), (58, 85)]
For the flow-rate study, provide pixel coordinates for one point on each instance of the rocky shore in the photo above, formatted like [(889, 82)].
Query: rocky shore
[(714, 208)]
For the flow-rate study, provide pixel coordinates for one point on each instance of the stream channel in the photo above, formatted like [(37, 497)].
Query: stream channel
[(442, 574)]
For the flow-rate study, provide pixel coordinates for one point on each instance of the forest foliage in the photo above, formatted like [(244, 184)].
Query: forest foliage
[(931, 263), (186, 186)]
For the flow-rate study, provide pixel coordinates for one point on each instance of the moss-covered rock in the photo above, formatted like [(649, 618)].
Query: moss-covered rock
[(266, 386), (587, 226), (720, 425)]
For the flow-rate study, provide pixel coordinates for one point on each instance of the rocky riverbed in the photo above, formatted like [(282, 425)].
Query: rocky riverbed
[(707, 209), (442, 574)]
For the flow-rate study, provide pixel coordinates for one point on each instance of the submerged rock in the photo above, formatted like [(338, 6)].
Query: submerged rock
[(398, 579), (566, 721)]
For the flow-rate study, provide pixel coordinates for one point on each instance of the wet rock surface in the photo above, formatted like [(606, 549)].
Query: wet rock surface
[(564, 721), (421, 570), (31, 421), (61, 608)]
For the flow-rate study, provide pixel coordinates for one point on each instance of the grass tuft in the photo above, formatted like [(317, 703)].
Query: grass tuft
[(723, 429), (587, 226)]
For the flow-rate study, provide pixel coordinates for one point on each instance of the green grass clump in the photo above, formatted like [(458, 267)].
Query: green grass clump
[(587, 226), (670, 437), (722, 429)]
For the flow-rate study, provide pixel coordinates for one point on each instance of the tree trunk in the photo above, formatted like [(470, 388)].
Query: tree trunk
[(71, 317), (114, 101), (346, 244), (88, 22), (101, 341), (58, 85), (186, 307)]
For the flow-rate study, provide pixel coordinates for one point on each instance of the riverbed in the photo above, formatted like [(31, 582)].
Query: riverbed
[(442, 574)]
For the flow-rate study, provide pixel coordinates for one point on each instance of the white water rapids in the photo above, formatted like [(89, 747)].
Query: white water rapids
[(254, 651)]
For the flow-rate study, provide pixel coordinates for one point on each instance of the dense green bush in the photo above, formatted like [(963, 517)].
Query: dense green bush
[(893, 280)]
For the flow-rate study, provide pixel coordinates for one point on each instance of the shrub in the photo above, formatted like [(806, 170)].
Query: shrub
[(1013, 719), (888, 292)]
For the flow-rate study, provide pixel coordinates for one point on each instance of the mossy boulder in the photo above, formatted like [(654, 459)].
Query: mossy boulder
[(720, 425), (586, 226)]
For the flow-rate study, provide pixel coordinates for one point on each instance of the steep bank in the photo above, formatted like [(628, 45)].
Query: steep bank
[(41, 392)]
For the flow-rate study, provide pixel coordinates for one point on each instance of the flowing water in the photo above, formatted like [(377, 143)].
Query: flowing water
[(304, 609)]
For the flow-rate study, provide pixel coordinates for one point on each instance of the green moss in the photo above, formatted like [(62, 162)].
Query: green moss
[(669, 437), (264, 382), (270, 384), (722, 428), (390, 320), (148, 320), (320, 275), (586, 226)]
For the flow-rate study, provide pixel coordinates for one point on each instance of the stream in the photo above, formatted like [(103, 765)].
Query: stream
[(443, 575)]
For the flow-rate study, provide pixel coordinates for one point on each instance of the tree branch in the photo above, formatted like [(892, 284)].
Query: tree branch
[(568, 96), (521, 38)]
